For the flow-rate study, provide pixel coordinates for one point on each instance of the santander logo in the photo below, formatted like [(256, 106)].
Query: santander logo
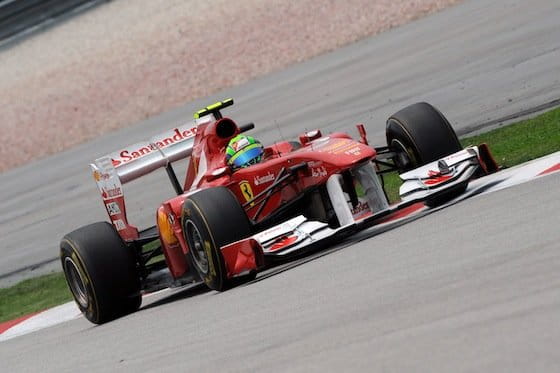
[(174, 136), (258, 180)]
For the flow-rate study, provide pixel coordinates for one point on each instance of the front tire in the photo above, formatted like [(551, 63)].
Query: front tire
[(101, 272), (420, 134), (213, 218)]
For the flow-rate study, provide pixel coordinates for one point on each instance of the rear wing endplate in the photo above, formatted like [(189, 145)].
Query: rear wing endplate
[(120, 167)]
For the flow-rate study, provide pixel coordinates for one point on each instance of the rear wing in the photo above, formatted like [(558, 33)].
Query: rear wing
[(139, 159), (120, 167)]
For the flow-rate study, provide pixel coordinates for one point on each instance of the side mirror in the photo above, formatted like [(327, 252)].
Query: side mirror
[(309, 136)]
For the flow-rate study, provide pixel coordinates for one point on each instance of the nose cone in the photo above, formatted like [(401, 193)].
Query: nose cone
[(339, 152)]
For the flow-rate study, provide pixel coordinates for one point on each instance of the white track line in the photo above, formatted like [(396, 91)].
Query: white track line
[(50, 317), (517, 175)]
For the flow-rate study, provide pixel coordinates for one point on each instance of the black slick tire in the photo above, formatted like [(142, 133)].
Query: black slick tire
[(211, 219), (101, 272), (420, 134)]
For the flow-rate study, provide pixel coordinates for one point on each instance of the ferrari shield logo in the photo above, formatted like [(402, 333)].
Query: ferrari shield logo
[(246, 190)]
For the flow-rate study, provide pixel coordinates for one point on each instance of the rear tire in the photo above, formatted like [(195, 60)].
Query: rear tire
[(101, 272), (213, 218), (420, 134)]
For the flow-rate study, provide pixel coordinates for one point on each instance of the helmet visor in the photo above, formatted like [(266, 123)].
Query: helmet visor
[(247, 158)]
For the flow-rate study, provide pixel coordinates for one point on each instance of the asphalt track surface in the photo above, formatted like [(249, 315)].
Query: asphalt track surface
[(471, 287)]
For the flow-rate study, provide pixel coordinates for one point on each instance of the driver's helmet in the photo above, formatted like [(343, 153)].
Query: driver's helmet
[(243, 151)]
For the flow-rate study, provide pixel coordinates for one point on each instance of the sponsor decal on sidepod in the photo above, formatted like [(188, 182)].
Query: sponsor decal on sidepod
[(246, 190), (264, 179), (319, 172)]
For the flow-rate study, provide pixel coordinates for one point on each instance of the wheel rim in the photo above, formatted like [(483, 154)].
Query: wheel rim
[(196, 247), (76, 282), (404, 159)]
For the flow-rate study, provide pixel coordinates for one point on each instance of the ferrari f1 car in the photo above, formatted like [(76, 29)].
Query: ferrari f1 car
[(224, 226)]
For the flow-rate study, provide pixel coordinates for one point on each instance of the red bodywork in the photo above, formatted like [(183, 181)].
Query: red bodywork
[(323, 155)]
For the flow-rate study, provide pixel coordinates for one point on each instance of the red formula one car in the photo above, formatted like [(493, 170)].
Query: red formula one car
[(224, 226)]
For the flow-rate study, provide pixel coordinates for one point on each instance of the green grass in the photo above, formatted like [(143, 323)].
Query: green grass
[(33, 295), (392, 182), (511, 145), (522, 141)]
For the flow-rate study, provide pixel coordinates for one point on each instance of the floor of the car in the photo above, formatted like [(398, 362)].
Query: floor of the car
[(148, 233)]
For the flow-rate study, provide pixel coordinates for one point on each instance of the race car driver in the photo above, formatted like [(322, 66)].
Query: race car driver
[(243, 151)]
